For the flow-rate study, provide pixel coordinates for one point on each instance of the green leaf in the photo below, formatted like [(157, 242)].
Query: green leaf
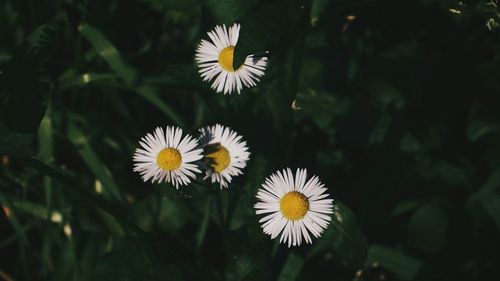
[(243, 208), (229, 11), (258, 274), (492, 206), (200, 237), (484, 205), (312, 80), (247, 257), (24, 90), (70, 79), (482, 121), (380, 129), (491, 184), (108, 52), (323, 103), (24, 82), (185, 75), (83, 193), (404, 266), (100, 170), (409, 143), (292, 268), (14, 221), (130, 261), (19, 233), (33, 209), (427, 228), (152, 96), (344, 238), (142, 260), (322, 107), (13, 143), (240, 266), (269, 26), (174, 213), (405, 207), (452, 174), (45, 148), (317, 8), (187, 6), (112, 225)]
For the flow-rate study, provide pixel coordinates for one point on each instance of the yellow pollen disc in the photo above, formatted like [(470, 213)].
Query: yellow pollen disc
[(169, 159), (226, 58), (294, 205), (221, 159)]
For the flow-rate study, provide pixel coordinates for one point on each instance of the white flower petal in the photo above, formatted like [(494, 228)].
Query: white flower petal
[(224, 81), (145, 157), (238, 152), (293, 232)]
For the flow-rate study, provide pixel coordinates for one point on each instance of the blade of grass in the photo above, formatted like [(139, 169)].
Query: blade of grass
[(108, 52), (45, 153), (73, 186), (88, 155), (404, 266), (150, 95), (24, 244), (15, 236), (72, 253), (71, 79), (14, 221), (36, 210), (113, 57)]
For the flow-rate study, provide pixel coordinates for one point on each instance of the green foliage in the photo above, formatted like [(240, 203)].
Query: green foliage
[(108, 52), (482, 121), (100, 171), (143, 263), (24, 90), (344, 238), (291, 269), (229, 11), (402, 265), (427, 228), (268, 26), (13, 143), (393, 104)]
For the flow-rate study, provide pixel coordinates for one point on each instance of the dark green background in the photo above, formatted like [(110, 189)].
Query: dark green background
[(396, 109)]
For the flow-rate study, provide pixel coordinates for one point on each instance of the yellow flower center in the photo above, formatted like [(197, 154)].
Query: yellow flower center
[(226, 58), (169, 159), (221, 159), (294, 205)]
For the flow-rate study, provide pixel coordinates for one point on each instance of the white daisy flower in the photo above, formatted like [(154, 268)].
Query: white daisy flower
[(225, 152), (295, 207), (215, 60), (164, 157)]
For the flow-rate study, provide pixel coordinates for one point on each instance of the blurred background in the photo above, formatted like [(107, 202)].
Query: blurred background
[(393, 104)]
